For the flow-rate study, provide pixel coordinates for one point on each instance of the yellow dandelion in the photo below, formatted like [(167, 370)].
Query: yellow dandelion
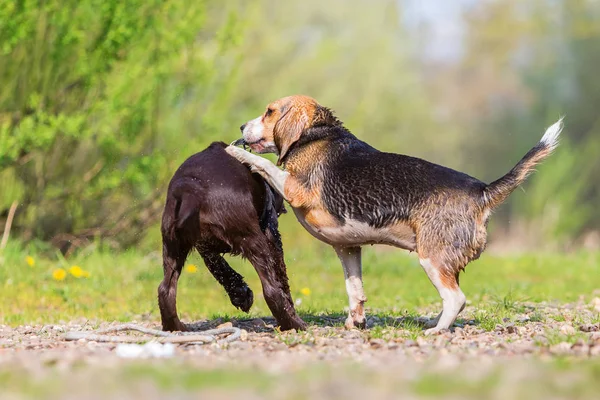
[(59, 274), (305, 291), (30, 261), (76, 271), (191, 268)]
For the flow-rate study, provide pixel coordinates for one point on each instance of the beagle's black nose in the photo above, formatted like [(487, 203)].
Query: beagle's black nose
[(242, 127)]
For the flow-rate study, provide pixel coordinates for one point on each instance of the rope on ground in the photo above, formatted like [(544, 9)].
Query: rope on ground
[(201, 337)]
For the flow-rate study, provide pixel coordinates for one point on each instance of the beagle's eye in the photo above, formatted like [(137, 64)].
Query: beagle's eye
[(268, 112)]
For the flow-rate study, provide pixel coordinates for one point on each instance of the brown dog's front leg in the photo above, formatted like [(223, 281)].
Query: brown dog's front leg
[(240, 294)]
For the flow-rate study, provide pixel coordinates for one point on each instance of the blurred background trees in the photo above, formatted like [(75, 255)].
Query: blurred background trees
[(101, 100)]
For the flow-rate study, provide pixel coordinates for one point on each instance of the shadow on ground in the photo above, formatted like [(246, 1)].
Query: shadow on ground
[(335, 320)]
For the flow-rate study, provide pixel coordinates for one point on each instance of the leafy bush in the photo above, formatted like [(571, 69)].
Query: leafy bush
[(98, 98)]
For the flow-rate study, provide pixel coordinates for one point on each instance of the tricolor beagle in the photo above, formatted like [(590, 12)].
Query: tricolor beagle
[(348, 194)]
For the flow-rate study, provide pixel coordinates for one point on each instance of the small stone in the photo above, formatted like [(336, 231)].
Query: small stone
[(595, 350), (596, 303), (225, 325), (441, 342), (243, 335), (240, 345), (581, 347), (377, 343), (277, 347), (511, 328), (589, 327), (561, 348), (567, 330), (410, 343)]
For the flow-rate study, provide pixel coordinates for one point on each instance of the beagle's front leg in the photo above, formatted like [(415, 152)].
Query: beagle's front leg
[(352, 264), (269, 171)]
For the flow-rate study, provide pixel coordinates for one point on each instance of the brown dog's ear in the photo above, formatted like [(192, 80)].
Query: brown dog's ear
[(288, 130)]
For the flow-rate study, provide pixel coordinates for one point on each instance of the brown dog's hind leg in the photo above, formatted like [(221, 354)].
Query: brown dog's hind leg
[(445, 280), (240, 294), (270, 266), (174, 255)]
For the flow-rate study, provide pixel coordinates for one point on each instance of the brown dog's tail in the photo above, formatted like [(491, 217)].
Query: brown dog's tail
[(180, 206), (498, 191)]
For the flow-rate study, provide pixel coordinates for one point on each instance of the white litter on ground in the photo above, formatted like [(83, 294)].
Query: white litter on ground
[(147, 350)]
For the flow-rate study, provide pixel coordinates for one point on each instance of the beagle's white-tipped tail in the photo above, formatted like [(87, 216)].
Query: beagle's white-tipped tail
[(497, 191), (550, 138)]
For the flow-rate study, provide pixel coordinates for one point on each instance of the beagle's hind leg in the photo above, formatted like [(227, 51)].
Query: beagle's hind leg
[(240, 294), (433, 322), (445, 280)]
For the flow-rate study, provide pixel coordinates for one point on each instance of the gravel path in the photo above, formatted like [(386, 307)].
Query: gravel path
[(391, 359), (570, 329)]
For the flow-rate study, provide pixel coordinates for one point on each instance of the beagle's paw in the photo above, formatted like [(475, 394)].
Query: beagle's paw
[(435, 331), (355, 322), (239, 154)]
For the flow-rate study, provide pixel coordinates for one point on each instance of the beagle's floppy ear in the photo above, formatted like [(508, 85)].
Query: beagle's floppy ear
[(324, 116), (288, 129)]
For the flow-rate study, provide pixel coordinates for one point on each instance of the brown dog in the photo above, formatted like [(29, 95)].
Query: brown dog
[(215, 205), (348, 194)]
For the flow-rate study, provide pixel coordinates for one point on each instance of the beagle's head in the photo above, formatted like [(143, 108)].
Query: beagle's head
[(283, 123)]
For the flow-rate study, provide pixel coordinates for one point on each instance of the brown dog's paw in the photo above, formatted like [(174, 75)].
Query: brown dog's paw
[(242, 298), (293, 323), (174, 326)]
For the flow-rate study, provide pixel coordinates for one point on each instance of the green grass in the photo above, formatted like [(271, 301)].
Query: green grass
[(518, 379), (122, 285)]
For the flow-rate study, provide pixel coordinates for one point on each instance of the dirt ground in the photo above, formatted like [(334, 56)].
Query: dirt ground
[(389, 344)]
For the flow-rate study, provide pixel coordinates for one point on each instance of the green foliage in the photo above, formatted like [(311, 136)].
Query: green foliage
[(102, 100), (544, 67), (91, 94)]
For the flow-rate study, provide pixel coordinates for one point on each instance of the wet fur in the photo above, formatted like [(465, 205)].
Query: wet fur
[(216, 206), (348, 194)]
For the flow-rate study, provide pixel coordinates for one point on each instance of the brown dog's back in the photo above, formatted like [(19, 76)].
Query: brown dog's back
[(213, 196)]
